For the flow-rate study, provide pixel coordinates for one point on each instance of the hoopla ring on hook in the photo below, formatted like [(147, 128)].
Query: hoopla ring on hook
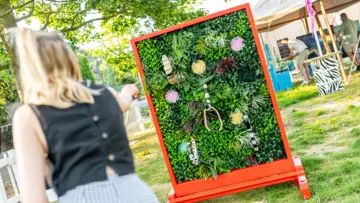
[(208, 108)]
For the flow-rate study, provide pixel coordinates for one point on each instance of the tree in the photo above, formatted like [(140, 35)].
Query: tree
[(121, 63), (4, 58), (7, 94), (7, 87), (85, 68), (76, 18), (109, 77), (78, 21)]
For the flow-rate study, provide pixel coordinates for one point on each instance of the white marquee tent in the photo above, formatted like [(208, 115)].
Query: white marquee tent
[(272, 14)]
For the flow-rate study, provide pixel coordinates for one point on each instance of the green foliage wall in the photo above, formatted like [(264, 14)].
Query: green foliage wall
[(238, 87), (85, 68)]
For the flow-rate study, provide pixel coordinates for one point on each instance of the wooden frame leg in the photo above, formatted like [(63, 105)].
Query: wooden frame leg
[(304, 187), (171, 196), (296, 182), (301, 180)]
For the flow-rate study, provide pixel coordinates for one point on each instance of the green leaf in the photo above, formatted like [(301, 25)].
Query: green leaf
[(213, 173)]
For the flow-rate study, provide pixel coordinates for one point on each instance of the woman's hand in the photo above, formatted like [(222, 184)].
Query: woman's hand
[(127, 95), (129, 91)]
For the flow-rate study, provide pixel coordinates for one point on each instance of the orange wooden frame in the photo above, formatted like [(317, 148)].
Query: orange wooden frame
[(284, 170)]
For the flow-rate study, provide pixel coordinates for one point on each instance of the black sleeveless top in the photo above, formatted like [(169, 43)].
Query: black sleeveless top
[(84, 139)]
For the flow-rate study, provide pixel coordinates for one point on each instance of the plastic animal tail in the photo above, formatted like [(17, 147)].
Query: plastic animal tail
[(196, 155), (253, 139), (207, 97), (168, 69), (193, 153)]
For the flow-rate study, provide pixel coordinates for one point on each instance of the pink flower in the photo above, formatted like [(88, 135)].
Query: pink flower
[(172, 96), (237, 44)]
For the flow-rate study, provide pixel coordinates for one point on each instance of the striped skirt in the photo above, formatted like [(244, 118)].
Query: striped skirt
[(117, 189)]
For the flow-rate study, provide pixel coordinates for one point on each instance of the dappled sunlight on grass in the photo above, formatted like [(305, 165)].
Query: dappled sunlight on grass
[(308, 94), (296, 95), (298, 114)]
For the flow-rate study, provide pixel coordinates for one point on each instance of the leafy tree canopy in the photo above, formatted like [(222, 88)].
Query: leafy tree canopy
[(110, 22), (76, 18)]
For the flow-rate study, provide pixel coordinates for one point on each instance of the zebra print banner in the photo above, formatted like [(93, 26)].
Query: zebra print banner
[(327, 76)]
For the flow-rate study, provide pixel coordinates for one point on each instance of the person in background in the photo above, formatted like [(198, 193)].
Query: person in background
[(76, 127), (299, 49), (348, 32)]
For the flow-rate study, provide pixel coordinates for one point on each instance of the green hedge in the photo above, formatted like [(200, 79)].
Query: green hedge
[(8, 94), (238, 87), (85, 68)]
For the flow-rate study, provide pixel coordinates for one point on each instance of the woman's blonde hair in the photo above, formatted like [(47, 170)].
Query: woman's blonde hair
[(49, 72)]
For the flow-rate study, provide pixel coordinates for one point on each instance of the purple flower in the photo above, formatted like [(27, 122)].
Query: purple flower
[(252, 160), (188, 127), (220, 70), (194, 106), (226, 65)]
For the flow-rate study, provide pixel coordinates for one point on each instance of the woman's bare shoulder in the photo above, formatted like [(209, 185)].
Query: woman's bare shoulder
[(26, 123), (23, 112), (23, 118)]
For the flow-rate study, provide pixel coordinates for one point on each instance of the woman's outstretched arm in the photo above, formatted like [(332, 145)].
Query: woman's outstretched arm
[(30, 158), (125, 97)]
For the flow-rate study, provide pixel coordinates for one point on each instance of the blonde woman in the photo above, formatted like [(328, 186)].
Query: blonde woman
[(74, 127)]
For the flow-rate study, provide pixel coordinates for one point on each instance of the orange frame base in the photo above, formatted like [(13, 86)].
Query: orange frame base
[(298, 176), (289, 169)]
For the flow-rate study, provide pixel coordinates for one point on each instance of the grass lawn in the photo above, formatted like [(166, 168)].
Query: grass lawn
[(324, 131)]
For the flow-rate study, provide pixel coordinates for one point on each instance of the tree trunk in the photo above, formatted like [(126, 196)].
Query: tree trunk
[(9, 21)]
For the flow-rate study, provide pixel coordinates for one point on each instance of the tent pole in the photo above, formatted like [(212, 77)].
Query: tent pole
[(339, 57), (307, 30), (314, 32), (264, 48), (318, 43), (322, 33)]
